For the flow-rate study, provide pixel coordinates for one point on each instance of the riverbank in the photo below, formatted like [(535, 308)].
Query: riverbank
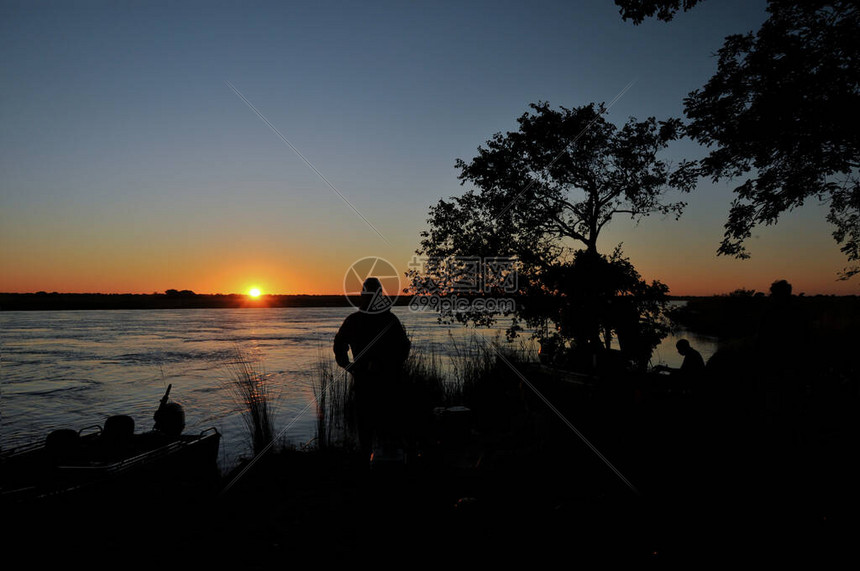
[(610, 473), (740, 315), (662, 480), (668, 480)]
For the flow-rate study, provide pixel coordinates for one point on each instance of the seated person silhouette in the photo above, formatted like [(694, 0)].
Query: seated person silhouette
[(379, 346), (692, 367)]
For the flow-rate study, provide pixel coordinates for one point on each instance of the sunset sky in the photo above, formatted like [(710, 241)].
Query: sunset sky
[(128, 163)]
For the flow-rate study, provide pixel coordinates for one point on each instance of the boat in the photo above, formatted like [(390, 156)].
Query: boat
[(110, 458)]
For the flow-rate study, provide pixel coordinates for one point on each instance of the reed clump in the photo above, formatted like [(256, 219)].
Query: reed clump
[(488, 374), (479, 376), (335, 422), (250, 387), (426, 378)]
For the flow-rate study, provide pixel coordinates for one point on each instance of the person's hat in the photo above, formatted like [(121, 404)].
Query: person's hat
[(373, 298), (371, 286)]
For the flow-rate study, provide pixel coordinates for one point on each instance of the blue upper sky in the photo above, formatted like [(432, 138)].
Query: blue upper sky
[(127, 163)]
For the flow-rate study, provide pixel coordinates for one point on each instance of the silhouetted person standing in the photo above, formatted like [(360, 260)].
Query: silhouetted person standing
[(784, 328), (379, 346), (782, 351)]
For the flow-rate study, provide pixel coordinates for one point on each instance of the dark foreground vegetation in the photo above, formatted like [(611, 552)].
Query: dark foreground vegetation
[(739, 314), (547, 466)]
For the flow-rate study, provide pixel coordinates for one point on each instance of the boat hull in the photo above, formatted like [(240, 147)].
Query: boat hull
[(91, 465)]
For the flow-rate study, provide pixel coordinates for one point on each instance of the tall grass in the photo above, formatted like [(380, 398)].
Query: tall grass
[(250, 387), (333, 406), (425, 375), (491, 387), (481, 366), (472, 364), (476, 377), (422, 378)]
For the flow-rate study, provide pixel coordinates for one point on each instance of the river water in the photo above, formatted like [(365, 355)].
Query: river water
[(71, 369)]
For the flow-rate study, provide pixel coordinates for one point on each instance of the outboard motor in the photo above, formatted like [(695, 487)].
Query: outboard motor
[(62, 445), (118, 428), (118, 435), (170, 417)]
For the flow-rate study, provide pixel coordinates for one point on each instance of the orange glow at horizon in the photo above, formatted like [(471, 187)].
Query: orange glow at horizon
[(314, 272)]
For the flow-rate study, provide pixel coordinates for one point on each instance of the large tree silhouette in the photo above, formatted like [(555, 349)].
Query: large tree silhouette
[(564, 174), (780, 114), (547, 190)]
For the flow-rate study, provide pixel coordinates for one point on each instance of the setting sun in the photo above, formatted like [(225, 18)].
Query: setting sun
[(254, 292)]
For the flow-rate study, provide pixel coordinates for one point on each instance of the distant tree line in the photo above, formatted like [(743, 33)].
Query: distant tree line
[(179, 293), (170, 299)]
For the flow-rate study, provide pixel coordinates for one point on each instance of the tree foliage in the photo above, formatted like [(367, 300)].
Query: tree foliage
[(594, 298), (780, 110), (639, 10), (565, 173), (779, 113), (547, 190)]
